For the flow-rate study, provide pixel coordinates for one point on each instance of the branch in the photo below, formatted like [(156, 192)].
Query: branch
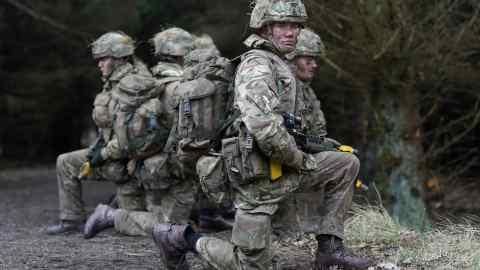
[(387, 45), (6, 92), (434, 151), (79, 34)]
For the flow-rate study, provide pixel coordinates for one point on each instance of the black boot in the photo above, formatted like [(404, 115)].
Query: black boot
[(64, 227), (102, 218), (172, 241), (331, 252)]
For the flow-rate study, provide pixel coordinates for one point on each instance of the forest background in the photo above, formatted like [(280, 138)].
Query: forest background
[(400, 83)]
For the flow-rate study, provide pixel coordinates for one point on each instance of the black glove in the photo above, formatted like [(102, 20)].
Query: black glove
[(95, 157)]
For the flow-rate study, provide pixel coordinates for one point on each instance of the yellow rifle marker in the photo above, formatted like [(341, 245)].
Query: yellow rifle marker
[(360, 185), (346, 148), (85, 170), (275, 170)]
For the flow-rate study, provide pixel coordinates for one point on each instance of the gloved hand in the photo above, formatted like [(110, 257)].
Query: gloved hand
[(96, 157)]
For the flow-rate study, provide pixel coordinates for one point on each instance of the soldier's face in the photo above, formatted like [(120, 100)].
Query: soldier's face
[(107, 65), (283, 35), (306, 66)]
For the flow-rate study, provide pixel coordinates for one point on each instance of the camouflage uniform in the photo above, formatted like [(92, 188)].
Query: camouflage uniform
[(173, 42), (296, 213), (68, 164), (169, 197), (264, 89), (150, 169)]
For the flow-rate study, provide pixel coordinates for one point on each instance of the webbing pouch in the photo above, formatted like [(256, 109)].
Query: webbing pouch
[(211, 172), (243, 165)]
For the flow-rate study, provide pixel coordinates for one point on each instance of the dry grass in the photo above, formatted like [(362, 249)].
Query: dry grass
[(449, 246)]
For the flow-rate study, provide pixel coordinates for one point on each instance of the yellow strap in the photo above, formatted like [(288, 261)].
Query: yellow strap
[(275, 170), (85, 170), (345, 148), (358, 183)]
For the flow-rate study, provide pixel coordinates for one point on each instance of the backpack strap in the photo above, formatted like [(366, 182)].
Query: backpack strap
[(227, 123)]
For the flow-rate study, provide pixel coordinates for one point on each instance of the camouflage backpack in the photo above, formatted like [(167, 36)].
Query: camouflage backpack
[(136, 124), (202, 105)]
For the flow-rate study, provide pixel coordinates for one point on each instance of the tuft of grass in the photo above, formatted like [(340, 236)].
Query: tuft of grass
[(372, 225), (448, 246)]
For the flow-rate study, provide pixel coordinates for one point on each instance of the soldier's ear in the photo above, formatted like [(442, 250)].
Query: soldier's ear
[(265, 31)]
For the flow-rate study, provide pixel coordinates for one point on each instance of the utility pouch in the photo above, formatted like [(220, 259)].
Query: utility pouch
[(211, 172), (100, 114), (189, 151), (243, 161), (153, 172)]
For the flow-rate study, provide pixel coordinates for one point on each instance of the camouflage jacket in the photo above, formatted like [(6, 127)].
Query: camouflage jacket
[(265, 87), (109, 105), (104, 107), (308, 107)]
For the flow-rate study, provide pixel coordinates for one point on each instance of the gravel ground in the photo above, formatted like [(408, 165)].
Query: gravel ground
[(29, 203)]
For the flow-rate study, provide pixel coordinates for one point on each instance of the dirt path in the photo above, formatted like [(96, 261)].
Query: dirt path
[(29, 203)]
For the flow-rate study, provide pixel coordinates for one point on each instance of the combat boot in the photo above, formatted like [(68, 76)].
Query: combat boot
[(170, 239), (65, 226), (101, 219), (331, 252)]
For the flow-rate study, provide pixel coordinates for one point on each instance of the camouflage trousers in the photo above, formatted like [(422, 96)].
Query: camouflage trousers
[(167, 197), (70, 186), (250, 245), (173, 205)]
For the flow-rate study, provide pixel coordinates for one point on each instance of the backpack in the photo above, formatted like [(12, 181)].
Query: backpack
[(203, 106), (135, 123)]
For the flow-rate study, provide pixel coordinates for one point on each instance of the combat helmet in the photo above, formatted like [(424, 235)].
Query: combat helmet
[(113, 44), (308, 44), (267, 11), (173, 41)]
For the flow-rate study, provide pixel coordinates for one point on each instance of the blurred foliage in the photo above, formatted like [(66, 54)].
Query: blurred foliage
[(412, 86)]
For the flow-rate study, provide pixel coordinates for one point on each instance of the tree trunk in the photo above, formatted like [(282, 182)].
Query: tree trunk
[(395, 142)]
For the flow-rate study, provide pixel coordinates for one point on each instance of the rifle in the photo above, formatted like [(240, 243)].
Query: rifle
[(315, 144), (308, 143)]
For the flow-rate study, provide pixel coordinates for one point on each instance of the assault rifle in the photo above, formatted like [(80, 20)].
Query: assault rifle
[(315, 144), (308, 143)]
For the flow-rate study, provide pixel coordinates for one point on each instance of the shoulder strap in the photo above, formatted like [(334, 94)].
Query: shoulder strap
[(229, 121)]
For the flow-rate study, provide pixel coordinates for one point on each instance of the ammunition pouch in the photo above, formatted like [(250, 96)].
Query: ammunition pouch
[(211, 172), (244, 162)]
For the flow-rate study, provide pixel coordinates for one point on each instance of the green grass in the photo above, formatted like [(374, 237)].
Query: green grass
[(448, 246)]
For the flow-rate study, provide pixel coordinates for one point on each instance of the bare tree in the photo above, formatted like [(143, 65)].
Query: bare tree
[(404, 56)]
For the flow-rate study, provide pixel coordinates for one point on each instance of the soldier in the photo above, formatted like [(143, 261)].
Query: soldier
[(114, 52), (169, 198), (171, 46), (265, 89)]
